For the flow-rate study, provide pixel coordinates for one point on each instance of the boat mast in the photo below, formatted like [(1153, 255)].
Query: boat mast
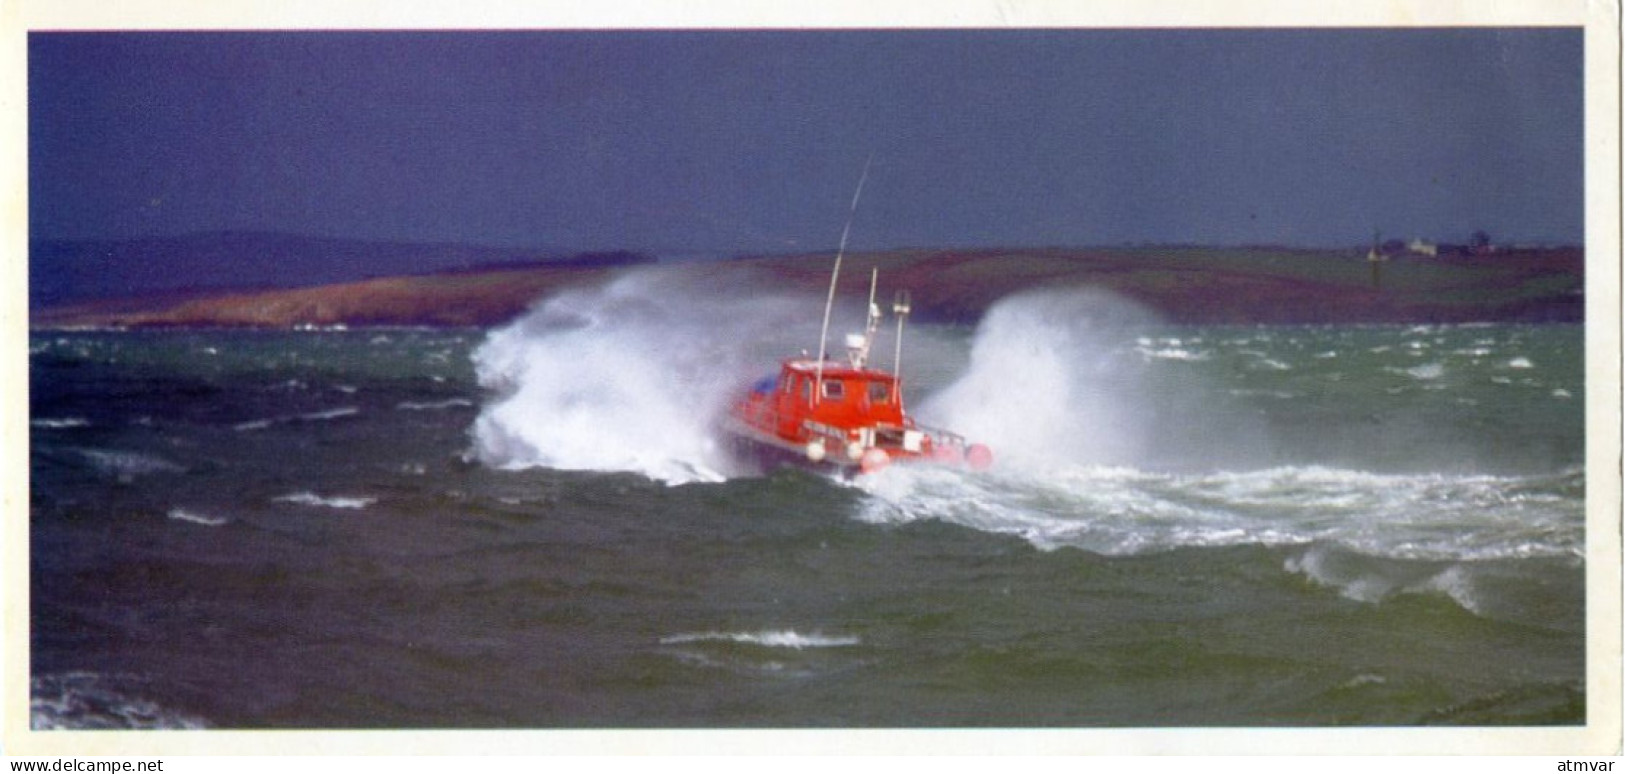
[(834, 275), (900, 308), (858, 352)]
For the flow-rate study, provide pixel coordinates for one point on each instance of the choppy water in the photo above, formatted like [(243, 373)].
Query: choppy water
[(531, 527)]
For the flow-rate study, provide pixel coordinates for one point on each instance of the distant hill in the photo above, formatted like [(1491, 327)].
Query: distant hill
[(1182, 284), (64, 271)]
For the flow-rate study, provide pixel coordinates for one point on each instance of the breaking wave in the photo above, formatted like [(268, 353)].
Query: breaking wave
[(85, 700), (127, 464), (1119, 510), (314, 500), (1069, 377), (435, 405), (193, 517), (58, 424), (314, 416), (769, 639), (774, 653), (628, 377)]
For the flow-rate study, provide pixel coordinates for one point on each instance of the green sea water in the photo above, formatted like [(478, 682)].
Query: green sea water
[(532, 527)]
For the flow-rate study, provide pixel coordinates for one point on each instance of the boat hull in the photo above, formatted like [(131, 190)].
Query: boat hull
[(767, 452)]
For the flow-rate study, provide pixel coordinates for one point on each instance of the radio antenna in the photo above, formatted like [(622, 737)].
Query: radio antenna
[(823, 335)]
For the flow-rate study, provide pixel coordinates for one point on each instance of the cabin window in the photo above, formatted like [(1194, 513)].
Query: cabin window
[(879, 392), (806, 389), (834, 390)]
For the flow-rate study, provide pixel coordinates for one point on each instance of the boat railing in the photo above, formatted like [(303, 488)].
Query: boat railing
[(939, 435)]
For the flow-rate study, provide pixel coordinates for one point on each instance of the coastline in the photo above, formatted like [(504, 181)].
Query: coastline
[(1185, 285)]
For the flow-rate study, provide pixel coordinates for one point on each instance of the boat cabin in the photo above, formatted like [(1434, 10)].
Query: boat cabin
[(840, 396), (841, 409)]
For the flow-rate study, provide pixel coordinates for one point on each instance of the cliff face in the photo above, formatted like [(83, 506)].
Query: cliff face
[(1186, 285)]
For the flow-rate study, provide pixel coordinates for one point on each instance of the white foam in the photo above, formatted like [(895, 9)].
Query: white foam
[(337, 413), (1455, 582), (1122, 510), (85, 700), (1326, 567), (437, 405), (1364, 679), (1277, 394), (1520, 362), (1172, 353), (314, 416), (59, 424), (126, 464), (312, 499), (1362, 581), (181, 514), (780, 638), (1426, 371)]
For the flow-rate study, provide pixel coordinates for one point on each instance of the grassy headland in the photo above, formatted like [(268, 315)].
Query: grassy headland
[(1183, 284)]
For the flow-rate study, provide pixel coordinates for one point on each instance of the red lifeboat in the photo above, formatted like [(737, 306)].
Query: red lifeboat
[(845, 415), (842, 415)]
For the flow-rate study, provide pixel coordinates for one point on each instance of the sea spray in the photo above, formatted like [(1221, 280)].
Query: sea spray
[(1106, 443), (631, 376), (1060, 377)]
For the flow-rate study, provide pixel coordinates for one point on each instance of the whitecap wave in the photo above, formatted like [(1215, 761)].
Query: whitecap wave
[(315, 500), (779, 638), (314, 416), (1425, 372), (192, 517), (337, 413), (436, 405), (1362, 580), (1271, 364), (1126, 510), (1456, 582), (1173, 353), (85, 700), (64, 423), (127, 464)]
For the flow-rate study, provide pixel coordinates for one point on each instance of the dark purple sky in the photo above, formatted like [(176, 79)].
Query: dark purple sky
[(748, 141)]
